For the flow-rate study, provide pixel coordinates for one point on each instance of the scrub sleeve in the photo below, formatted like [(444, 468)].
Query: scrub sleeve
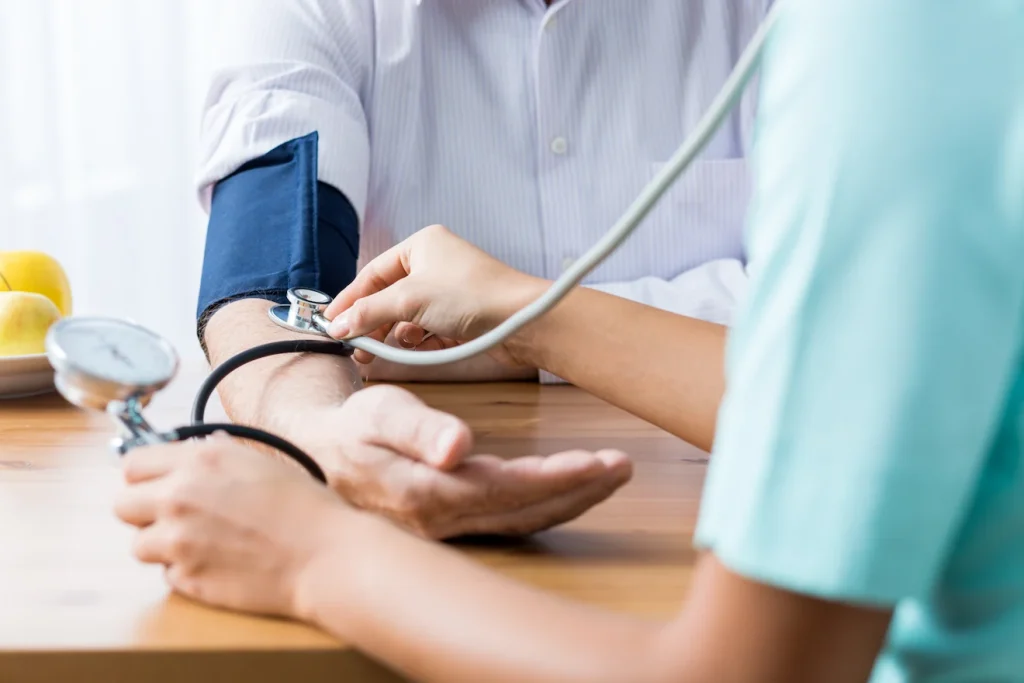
[(872, 366)]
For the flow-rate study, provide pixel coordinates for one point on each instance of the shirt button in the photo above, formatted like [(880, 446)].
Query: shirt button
[(550, 24), (567, 263), (559, 146)]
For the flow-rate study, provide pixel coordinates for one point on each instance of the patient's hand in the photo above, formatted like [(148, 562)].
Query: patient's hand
[(385, 451)]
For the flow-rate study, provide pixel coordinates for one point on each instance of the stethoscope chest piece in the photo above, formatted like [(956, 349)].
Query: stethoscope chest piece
[(304, 311)]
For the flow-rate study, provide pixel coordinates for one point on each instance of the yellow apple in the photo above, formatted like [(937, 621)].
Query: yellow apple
[(25, 318), (33, 271)]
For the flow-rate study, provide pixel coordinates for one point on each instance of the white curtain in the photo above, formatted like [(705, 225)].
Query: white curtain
[(99, 114)]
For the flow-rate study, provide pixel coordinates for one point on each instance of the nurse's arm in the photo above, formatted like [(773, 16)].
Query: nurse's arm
[(446, 285), (453, 619), (471, 624), (592, 337)]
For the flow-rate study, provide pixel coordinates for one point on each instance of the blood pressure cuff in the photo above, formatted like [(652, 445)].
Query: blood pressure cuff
[(273, 226)]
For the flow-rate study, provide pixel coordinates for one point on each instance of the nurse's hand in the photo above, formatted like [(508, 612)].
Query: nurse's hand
[(232, 526), (385, 451), (237, 528), (479, 368), (432, 281)]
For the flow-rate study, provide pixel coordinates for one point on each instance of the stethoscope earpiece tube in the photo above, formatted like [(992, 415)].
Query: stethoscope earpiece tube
[(198, 428)]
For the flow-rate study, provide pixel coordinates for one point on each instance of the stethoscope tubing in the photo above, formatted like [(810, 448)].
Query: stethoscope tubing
[(713, 119)]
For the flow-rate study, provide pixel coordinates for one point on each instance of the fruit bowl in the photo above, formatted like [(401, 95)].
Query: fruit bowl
[(22, 376)]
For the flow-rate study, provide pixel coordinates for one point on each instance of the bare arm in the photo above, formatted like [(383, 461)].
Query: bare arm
[(591, 337), (451, 619), (384, 450), (277, 393), (730, 629), (438, 282)]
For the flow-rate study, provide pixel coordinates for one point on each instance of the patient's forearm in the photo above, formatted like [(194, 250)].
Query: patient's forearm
[(279, 392), (665, 368)]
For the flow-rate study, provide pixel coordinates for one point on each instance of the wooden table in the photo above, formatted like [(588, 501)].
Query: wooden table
[(75, 606)]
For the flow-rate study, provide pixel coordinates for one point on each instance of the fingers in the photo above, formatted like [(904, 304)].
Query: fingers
[(377, 311), (409, 335), (488, 495), (543, 514), (151, 462), (152, 545), (139, 504), (377, 275), (174, 544), (432, 343), (520, 482), (571, 463), (381, 335), (487, 484), (393, 418)]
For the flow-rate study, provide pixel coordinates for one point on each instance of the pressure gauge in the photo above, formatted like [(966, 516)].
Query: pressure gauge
[(99, 361)]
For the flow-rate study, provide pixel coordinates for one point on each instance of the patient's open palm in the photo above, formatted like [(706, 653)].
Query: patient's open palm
[(376, 464)]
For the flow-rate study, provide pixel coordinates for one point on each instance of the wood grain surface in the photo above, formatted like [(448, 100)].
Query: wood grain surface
[(75, 606)]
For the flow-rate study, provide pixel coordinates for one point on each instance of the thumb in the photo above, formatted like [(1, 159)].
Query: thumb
[(398, 421), (398, 303)]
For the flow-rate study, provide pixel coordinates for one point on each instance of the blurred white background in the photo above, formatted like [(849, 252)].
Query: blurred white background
[(99, 117)]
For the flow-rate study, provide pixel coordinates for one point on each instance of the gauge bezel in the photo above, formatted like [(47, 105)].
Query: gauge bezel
[(85, 388), (322, 300)]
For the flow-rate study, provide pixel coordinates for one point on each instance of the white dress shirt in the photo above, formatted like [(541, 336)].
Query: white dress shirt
[(524, 128)]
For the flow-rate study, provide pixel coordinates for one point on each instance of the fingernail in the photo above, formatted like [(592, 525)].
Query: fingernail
[(338, 327), (447, 442), (405, 343)]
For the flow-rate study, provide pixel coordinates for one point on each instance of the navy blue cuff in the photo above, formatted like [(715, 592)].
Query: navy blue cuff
[(273, 226)]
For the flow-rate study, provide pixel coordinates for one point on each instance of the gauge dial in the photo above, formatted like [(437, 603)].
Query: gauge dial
[(113, 351)]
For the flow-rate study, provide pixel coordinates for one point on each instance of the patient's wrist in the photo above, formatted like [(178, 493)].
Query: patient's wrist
[(313, 427)]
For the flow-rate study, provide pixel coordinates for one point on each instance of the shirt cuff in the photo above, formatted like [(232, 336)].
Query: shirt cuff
[(710, 292), (546, 377), (240, 129)]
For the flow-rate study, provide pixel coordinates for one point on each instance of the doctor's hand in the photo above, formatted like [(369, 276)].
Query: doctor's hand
[(437, 282), (387, 452)]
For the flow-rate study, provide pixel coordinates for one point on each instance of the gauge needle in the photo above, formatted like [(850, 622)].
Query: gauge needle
[(118, 356)]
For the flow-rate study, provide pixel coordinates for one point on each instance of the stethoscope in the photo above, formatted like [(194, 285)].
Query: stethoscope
[(117, 366)]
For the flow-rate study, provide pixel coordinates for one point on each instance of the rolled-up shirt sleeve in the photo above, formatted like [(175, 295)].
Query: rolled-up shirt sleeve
[(284, 149), (872, 363), (288, 68)]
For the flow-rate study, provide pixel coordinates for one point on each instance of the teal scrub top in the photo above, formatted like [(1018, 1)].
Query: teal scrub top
[(870, 446)]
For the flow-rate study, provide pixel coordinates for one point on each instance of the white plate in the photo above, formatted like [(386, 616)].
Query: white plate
[(25, 376)]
